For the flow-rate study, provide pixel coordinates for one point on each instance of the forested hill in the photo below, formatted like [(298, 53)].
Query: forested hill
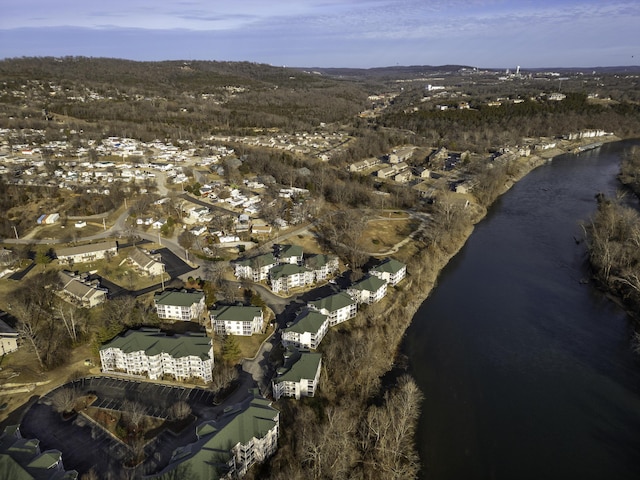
[(191, 75), (194, 96)]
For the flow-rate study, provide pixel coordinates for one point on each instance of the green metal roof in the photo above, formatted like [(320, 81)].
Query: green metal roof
[(178, 299), (305, 367), (285, 270), (317, 261), (10, 468), (389, 266), (203, 460), (370, 284), (46, 459), (154, 342), (259, 261), (307, 321), (236, 313), (290, 251), (333, 302)]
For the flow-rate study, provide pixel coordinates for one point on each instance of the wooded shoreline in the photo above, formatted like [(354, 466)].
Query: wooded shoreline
[(341, 432)]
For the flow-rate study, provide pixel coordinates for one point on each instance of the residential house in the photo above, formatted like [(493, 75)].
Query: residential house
[(145, 262), (338, 307), (198, 230), (158, 224), (299, 377), (256, 268), (364, 164), (261, 230), (179, 305), (87, 253), (387, 172), (199, 213), (237, 320), (290, 254), (230, 445), (307, 331), (422, 172), (391, 270), (22, 459), (287, 276), (79, 290), (8, 338), (154, 354), (322, 265), (368, 290), (403, 177)]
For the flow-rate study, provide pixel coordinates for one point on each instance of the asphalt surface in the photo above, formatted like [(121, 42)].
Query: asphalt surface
[(85, 445)]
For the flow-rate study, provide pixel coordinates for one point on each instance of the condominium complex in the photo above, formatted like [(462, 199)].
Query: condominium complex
[(151, 353)]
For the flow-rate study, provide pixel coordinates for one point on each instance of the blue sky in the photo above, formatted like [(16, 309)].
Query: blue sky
[(330, 33)]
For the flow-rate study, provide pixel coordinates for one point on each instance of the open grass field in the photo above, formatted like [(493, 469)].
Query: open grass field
[(382, 234)]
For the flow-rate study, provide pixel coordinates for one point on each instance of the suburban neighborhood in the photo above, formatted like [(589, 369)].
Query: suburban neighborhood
[(182, 295)]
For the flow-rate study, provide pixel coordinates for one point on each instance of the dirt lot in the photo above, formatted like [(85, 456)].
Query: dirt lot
[(21, 378)]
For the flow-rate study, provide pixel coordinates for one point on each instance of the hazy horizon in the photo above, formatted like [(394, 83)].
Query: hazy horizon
[(331, 33)]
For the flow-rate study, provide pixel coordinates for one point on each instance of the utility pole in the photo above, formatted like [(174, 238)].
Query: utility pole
[(104, 225), (15, 231)]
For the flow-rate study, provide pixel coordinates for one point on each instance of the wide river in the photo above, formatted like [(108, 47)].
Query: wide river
[(527, 372)]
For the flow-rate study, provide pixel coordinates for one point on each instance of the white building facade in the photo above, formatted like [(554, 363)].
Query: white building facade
[(153, 354)]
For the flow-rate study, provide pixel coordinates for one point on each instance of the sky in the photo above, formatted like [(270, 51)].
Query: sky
[(330, 33)]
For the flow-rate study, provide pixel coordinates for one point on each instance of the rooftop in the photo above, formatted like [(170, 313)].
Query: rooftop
[(154, 342)]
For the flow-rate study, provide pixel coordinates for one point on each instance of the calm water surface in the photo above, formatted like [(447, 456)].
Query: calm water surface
[(527, 372)]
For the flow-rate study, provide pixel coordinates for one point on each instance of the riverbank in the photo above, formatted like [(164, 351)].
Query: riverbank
[(427, 261), (511, 337)]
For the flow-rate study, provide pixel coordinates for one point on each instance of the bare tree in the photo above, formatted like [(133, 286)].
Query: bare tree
[(90, 475), (69, 319), (223, 375), (64, 400), (179, 410), (134, 412)]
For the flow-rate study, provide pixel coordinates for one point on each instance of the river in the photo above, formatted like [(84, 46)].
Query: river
[(527, 372)]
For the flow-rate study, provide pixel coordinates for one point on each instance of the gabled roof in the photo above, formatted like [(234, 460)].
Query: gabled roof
[(90, 248), (236, 313), (333, 302), (318, 261), (290, 251), (21, 459), (286, 270), (390, 265), (259, 261), (178, 299), (306, 367), (77, 288), (206, 458), (142, 258), (307, 321), (154, 342), (369, 284), (46, 460)]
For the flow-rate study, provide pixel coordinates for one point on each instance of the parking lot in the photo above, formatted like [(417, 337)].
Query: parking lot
[(84, 444)]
